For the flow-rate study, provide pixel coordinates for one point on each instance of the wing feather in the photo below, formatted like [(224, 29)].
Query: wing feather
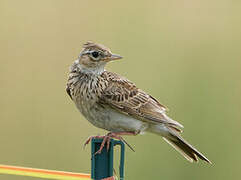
[(125, 97)]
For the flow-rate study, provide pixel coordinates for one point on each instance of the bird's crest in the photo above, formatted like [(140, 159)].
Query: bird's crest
[(91, 45)]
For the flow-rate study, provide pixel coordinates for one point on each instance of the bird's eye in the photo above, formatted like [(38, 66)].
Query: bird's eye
[(95, 54)]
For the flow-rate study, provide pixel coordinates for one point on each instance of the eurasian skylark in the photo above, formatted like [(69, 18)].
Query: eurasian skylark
[(111, 102)]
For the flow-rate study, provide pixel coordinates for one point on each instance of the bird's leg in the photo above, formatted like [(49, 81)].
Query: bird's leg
[(107, 138)]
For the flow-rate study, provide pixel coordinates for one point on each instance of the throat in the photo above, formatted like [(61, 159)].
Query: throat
[(91, 70)]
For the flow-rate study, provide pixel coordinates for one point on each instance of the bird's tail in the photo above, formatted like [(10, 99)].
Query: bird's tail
[(183, 147)]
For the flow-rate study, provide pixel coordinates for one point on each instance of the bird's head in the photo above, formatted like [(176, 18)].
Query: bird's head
[(94, 57)]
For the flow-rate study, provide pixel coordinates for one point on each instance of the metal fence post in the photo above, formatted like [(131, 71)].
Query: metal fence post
[(102, 164)]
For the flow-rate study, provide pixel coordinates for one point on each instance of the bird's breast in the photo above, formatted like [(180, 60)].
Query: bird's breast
[(85, 92)]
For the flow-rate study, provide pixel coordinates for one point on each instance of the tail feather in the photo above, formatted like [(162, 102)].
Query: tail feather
[(184, 148)]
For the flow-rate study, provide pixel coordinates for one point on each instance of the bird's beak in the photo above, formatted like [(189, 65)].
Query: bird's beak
[(115, 57)]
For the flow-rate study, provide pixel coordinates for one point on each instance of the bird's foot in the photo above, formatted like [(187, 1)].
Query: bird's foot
[(92, 137), (118, 136), (107, 139)]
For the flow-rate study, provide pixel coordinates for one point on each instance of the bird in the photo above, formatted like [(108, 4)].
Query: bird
[(111, 102)]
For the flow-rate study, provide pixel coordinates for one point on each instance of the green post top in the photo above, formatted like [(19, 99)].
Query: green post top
[(102, 164)]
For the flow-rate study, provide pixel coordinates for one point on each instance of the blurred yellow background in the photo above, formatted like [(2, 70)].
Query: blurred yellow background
[(185, 53)]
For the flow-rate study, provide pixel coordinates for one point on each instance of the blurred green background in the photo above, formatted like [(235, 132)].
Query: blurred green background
[(184, 53)]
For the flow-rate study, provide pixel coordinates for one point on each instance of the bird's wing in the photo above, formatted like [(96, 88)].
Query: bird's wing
[(125, 97)]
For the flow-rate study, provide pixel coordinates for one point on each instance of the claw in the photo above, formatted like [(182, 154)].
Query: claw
[(124, 141), (87, 141), (108, 145), (90, 139)]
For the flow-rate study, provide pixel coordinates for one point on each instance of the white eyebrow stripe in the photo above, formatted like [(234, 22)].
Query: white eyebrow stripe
[(88, 52)]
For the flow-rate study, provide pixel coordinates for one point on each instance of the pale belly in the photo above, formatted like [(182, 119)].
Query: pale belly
[(111, 120), (117, 122)]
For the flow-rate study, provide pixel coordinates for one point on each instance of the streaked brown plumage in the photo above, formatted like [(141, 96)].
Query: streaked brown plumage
[(111, 102)]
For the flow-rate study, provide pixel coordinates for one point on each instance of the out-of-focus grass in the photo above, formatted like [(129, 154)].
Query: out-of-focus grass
[(184, 53)]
